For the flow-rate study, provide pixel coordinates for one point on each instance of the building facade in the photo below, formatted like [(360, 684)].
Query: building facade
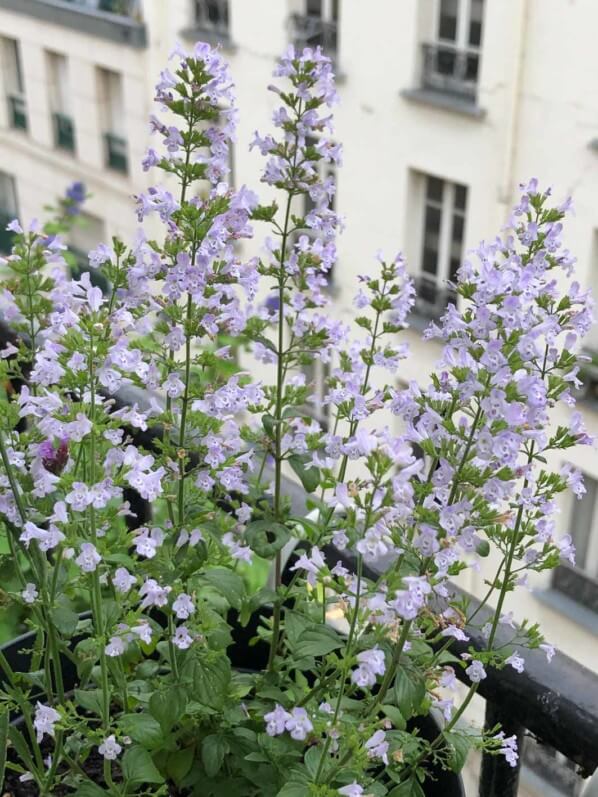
[(446, 106)]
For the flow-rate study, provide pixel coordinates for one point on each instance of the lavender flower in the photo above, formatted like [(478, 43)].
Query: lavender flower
[(110, 749), (44, 720)]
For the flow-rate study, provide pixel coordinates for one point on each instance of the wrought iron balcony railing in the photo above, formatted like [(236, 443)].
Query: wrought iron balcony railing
[(64, 132), (555, 703), (116, 153), (17, 112), (450, 70), (312, 31)]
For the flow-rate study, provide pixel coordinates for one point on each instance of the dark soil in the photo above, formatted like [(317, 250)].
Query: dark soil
[(13, 787)]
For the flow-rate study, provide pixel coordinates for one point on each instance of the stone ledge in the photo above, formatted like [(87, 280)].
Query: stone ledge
[(448, 102), (103, 24)]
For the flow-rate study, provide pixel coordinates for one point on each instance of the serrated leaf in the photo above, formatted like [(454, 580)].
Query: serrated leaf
[(89, 789), (229, 584), (138, 767), (211, 680), (459, 744), (142, 728), (266, 537), (213, 750), (179, 763), (90, 700), (310, 476), (409, 690), (410, 788), (65, 620), (318, 641), (395, 716), (168, 706)]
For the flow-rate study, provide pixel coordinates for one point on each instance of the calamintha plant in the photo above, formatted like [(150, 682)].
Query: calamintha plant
[(134, 684)]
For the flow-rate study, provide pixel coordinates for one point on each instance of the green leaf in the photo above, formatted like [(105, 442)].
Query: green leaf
[(395, 716), (3, 743), (294, 788), (229, 584), (90, 700), (309, 477), (266, 537), (90, 789), (318, 641), (142, 728), (211, 681), (18, 742), (410, 788), (168, 706), (460, 744), (179, 763), (138, 767), (65, 620), (410, 690), (213, 750)]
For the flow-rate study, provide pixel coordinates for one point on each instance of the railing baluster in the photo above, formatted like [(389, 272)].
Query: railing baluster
[(497, 777)]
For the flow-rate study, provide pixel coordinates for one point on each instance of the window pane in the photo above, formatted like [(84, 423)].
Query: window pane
[(475, 23), (581, 521), (314, 8), (447, 23), (8, 196), (460, 196), (335, 10), (434, 189), (432, 220)]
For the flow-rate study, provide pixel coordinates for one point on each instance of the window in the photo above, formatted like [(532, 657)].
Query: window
[(14, 83), (557, 771), (316, 376), (580, 581), (212, 15), (84, 236), (445, 206), (317, 26), (112, 116), (60, 102), (452, 62), (8, 210)]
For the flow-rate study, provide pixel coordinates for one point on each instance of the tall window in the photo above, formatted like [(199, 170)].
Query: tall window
[(445, 206), (452, 63), (112, 115), (60, 102), (8, 209), (14, 83), (212, 15), (317, 26), (316, 375), (580, 582)]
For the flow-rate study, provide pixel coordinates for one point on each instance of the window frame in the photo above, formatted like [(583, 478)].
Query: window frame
[(201, 20)]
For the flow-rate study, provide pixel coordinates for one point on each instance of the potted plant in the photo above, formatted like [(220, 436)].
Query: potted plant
[(139, 695)]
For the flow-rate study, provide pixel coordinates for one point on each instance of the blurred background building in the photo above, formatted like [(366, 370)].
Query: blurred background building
[(446, 105)]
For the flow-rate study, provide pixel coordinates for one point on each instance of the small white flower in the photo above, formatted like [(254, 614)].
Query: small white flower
[(115, 647), (182, 639), (110, 749), (44, 720), (89, 558), (123, 580), (30, 593), (183, 606)]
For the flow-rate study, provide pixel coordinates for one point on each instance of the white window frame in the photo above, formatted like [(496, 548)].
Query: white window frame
[(9, 205), (112, 104), (58, 79), (12, 62), (461, 42), (592, 551)]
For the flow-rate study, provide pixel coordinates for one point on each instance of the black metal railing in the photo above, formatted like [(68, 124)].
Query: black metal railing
[(556, 703), (116, 153), (64, 132), (312, 31), (17, 112), (450, 70), (125, 8)]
